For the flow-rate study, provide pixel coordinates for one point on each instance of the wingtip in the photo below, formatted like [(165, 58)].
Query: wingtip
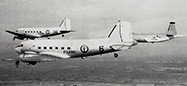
[(7, 59), (72, 30), (8, 31)]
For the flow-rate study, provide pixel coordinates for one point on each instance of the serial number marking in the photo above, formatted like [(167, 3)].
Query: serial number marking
[(69, 51)]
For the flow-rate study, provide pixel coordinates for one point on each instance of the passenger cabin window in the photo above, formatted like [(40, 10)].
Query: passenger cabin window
[(68, 48), (39, 47), (56, 47), (28, 31), (50, 48), (45, 47), (62, 48), (25, 31), (16, 30)]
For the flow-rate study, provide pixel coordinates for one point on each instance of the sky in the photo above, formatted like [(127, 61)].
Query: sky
[(96, 18), (91, 19)]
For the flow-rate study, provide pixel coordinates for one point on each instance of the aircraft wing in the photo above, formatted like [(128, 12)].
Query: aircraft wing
[(148, 33), (37, 60), (23, 35), (31, 59), (55, 54), (42, 57), (10, 60)]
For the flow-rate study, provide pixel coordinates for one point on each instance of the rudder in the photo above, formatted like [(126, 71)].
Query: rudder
[(171, 29), (66, 24)]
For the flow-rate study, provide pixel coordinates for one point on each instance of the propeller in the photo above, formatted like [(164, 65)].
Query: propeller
[(17, 61), (14, 38)]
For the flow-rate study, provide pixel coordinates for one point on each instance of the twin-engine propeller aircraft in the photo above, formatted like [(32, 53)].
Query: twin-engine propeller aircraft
[(32, 33), (154, 38), (120, 38)]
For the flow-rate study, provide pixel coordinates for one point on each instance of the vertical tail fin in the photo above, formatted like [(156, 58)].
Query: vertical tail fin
[(171, 29), (66, 24), (121, 32)]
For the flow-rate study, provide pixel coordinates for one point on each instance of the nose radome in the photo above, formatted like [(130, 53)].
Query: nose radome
[(18, 50), (135, 42)]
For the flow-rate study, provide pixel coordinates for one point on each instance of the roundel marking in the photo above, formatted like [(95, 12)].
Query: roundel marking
[(47, 32), (84, 48)]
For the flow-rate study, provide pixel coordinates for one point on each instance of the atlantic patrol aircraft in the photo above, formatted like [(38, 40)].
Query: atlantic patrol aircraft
[(32, 33), (120, 38), (154, 38)]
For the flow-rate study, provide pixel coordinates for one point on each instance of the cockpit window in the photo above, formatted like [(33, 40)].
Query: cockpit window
[(21, 45)]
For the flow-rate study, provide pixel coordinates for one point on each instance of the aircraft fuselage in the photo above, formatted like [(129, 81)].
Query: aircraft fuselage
[(72, 48), (42, 31)]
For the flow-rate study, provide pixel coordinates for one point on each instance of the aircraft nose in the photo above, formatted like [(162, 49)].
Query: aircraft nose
[(18, 50), (135, 42)]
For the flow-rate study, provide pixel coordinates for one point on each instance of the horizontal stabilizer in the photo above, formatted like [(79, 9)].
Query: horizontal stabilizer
[(179, 36), (120, 47)]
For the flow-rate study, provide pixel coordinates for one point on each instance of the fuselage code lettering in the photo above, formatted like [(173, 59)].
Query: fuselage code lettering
[(69, 51)]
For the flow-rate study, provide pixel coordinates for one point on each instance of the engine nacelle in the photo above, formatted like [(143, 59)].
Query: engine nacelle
[(31, 63), (26, 56), (18, 37)]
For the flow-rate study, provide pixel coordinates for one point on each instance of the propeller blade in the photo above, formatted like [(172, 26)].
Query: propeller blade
[(17, 64), (14, 38)]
